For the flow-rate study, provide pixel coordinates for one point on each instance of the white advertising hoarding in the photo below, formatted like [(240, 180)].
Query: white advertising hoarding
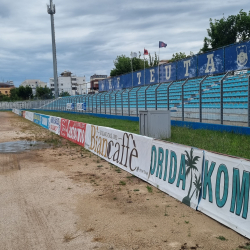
[(225, 191)]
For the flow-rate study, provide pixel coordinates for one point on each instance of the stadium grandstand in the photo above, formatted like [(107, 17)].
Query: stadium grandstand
[(212, 87)]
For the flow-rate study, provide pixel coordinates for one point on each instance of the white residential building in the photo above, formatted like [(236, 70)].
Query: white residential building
[(33, 83), (74, 85)]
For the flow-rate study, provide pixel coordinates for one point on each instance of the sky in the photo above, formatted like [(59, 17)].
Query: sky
[(90, 34)]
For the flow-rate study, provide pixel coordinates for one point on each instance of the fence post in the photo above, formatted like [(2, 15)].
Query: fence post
[(200, 99), (137, 101), (221, 97), (110, 102), (248, 103), (145, 93), (115, 102), (129, 101), (182, 98), (105, 103), (122, 99), (168, 92), (93, 103), (156, 95), (85, 100), (101, 103)]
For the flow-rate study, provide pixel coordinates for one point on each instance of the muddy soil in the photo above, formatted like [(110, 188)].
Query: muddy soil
[(65, 197)]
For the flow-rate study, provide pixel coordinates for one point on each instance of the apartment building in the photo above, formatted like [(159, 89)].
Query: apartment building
[(33, 83), (67, 82)]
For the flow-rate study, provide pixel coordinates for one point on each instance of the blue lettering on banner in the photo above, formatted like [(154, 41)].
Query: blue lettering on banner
[(221, 201), (240, 193), (207, 183)]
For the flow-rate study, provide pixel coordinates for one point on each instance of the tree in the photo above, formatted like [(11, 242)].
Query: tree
[(44, 93), (243, 26), (153, 61), (225, 31), (123, 64), (178, 56), (14, 95), (64, 94), (4, 98), (25, 93)]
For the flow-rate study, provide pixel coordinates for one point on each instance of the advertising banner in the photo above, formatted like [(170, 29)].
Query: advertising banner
[(126, 81), (128, 151), (70, 106), (176, 170), (168, 72), (29, 115), (73, 131), (138, 78), (101, 85), (37, 119), (117, 83), (211, 63), (24, 113), (225, 191), (45, 121), (187, 68), (236, 56), (151, 75), (81, 106), (55, 124)]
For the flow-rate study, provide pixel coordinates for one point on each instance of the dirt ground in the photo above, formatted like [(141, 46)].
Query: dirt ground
[(65, 197)]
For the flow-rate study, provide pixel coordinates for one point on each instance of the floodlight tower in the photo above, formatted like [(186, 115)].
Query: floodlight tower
[(51, 11)]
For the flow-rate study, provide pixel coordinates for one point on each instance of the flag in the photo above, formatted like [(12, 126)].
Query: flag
[(145, 52), (162, 44), (133, 54)]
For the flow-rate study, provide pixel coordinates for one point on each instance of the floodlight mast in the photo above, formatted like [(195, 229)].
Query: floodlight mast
[(51, 11)]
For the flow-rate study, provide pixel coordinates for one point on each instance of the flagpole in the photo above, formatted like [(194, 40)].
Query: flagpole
[(144, 66), (132, 69), (159, 66)]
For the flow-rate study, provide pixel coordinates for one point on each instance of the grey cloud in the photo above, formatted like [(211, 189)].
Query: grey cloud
[(90, 34)]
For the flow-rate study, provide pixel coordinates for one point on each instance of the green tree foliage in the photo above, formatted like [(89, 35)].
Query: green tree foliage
[(225, 31), (14, 95), (4, 98), (18, 94), (65, 93), (25, 93), (178, 56), (44, 93), (123, 64)]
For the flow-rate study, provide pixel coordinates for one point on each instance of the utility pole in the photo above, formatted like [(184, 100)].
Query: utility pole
[(51, 11)]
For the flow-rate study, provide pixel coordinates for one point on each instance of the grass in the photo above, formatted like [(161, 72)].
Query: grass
[(221, 142), (150, 190), (221, 238)]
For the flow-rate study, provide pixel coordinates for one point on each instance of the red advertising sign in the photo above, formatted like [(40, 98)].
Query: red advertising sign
[(73, 131), (24, 114)]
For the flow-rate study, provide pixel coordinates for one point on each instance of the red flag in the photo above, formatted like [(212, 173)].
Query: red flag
[(145, 52)]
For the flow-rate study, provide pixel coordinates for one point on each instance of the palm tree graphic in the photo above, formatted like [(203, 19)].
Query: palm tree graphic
[(191, 161)]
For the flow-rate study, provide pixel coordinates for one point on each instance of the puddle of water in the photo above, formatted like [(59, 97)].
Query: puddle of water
[(20, 146)]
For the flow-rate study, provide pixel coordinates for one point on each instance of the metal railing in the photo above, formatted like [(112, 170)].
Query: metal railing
[(221, 99)]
